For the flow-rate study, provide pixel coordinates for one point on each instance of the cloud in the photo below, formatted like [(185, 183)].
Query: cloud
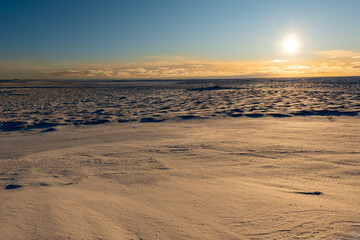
[(296, 67), (356, 57), (167, 71), (356, 64), (338, 54), (76, 73), (208, 69), (269, 70), (178, 67), (278, 61)]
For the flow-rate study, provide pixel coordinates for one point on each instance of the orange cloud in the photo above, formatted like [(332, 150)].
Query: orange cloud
[(212, 69), (338, 54), (171, 67), (278, 61)]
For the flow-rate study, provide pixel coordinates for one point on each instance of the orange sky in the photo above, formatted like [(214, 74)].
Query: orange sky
[(325, 63)]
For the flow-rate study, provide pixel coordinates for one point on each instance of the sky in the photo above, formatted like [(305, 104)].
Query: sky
[(165, 39)]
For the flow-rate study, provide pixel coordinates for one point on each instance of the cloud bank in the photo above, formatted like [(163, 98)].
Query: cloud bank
[(338, 54), (327, 63), (213, 69)]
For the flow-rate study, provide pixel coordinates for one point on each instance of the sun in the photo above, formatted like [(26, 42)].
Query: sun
[(290, 45)]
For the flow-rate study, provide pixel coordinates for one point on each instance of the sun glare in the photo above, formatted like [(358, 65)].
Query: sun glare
[(290, 45)]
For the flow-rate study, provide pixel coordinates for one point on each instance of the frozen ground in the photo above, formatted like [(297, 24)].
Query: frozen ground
[(36, 105), (257, 177)]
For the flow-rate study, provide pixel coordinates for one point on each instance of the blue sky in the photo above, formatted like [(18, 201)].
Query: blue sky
[(77, 37)]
